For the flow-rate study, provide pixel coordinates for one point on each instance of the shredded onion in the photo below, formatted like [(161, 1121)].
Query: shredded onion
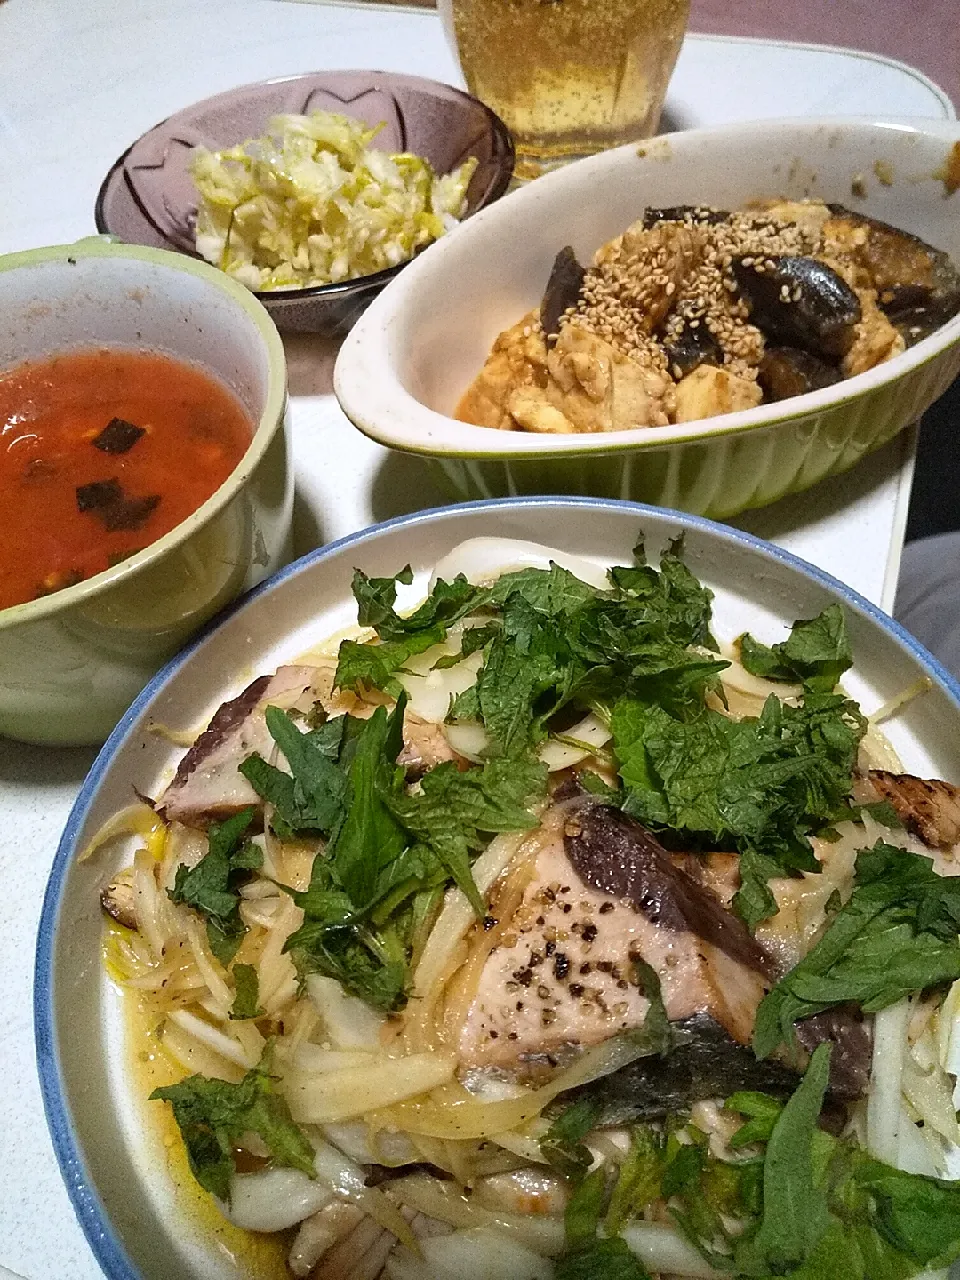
[(441, 947), (347, 1021), (451, 1112), (274, 1199), (325, 1097), (561, 753), (890, 708), (347, 1180), (147, 904), (135, 820), (883, 1101), (447, 1203), (468, 738), (196, 1056), (664, 1249), (358, 1142), (226, 1046)]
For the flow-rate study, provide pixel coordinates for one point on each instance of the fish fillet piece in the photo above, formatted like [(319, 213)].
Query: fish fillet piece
[(208, 784), (564, 974), (928, 808)]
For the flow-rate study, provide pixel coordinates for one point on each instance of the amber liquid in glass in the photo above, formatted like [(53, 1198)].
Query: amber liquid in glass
[(569, 77)]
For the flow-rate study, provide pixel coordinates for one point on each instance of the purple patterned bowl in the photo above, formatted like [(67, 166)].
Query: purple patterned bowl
[(148, 196)]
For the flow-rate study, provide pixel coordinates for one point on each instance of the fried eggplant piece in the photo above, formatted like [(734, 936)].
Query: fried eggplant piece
[(791, 371), (562, 291), (690, 349), (850, 1061), (918, 286), (119, 901), (799, 302)]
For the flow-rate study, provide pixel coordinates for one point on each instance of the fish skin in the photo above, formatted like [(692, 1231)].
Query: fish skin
[(568, 961), (927, 807), (615, 853), (705, 1063), (208, 785)]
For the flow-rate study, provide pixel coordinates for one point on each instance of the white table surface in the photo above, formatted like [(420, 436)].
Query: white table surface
[(79, 80)]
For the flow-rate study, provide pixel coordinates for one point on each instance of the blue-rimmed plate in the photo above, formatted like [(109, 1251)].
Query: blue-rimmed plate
[(115, 1167)]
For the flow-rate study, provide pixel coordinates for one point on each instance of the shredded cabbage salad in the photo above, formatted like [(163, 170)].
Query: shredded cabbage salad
[(312, 203)]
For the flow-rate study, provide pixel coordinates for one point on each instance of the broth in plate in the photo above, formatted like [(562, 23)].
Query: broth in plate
[(102, 452)]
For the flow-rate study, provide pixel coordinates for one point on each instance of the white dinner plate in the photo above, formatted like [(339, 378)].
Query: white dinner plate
[(112, 1161)]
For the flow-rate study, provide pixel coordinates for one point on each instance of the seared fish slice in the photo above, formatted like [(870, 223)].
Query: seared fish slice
[(928, 808), (564, 974), (209, 785)]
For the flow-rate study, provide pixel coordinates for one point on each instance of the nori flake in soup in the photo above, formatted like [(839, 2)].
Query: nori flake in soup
[(118, 436)]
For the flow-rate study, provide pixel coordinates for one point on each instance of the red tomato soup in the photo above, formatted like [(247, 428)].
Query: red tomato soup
[(101, 453)]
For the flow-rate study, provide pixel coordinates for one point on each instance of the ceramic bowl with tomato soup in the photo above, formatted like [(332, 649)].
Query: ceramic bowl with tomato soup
[(145, 480)]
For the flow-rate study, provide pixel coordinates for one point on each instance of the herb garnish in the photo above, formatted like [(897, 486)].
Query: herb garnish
[(816, 653), (213, 1115), (246, 1002), (389, 849), (212, 887), (795, 1200), (896, 935), (761, 784)]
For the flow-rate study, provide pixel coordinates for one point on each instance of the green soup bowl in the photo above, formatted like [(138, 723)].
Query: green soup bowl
[(72, 662)]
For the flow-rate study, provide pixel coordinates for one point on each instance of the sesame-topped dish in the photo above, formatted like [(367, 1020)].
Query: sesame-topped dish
[(695, 312), (809, 405)]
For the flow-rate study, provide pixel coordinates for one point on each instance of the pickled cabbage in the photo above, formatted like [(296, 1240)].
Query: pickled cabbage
[(311, 203)]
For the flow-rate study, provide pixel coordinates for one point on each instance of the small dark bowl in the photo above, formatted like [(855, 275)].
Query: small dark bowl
[(148, 197)]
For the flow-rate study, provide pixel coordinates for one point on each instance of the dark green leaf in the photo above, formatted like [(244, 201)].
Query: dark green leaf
[(920, 1216), (364, 963), (896, 935), (562, 1146), (446, 604), (554, 592), (213, 1115), (638, 1185), (376, 597), (754, 901), (370, 838), (376, 664), (585, 1209), (656, 1035), (212, 887), (225, 937), (816, 653), (472, 641), (884, 813), (761, 1111), (673, 596), (247, 998), (311, 796), (682, 1174), (595, 785), (454, 810), (759, 784), (795, 1212), (600, 1260)]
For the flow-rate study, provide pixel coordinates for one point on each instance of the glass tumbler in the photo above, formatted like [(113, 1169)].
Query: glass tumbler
[(568, 77)]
